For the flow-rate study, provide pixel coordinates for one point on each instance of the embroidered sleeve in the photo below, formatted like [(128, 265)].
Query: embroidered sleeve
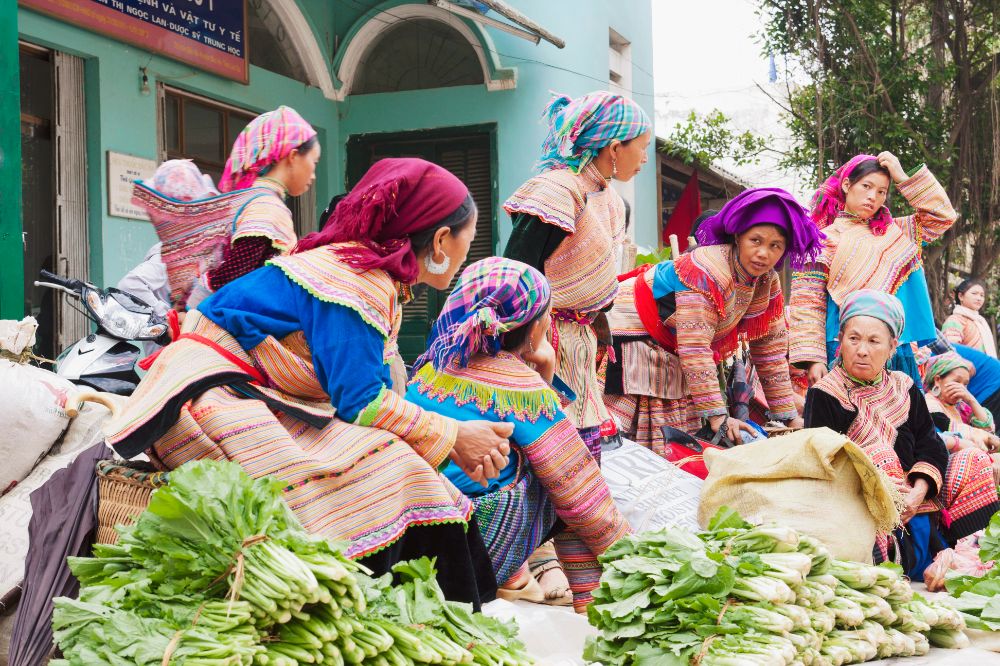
[(572, 479), (242, 256), (696, 320), (267, 217), (532, 241), (431, 435), (934, 212), (770, 358), (807, 343)]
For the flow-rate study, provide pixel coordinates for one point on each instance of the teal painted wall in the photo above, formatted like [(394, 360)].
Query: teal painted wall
[(121, 119), (577, 69), (11, 248)]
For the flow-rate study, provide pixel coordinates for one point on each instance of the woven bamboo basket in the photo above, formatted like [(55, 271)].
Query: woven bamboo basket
[(123, 491)]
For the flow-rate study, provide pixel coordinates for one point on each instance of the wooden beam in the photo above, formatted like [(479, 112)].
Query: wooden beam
[(517, 17)]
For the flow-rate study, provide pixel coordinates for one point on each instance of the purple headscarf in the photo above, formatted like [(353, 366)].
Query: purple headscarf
[(765, 205)]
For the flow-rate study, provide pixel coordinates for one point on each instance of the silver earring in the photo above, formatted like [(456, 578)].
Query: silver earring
[(435, 268), (614, 167)]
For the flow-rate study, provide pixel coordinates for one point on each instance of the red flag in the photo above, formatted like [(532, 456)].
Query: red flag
[(686, 211)]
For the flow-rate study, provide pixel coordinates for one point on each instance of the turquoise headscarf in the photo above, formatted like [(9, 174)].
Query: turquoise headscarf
[(579, 128), (878, 304)]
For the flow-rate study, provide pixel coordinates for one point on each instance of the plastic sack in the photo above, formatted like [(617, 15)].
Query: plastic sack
[(32, 404), (649, 491), (962, 559), (553, 636), (815, 481)]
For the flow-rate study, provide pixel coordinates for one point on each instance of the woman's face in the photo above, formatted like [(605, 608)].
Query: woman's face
[(301, 171), (865, 197), (760, 248), (866, 345), (453, 244), (958, 375), (630, 156), (973, 298)]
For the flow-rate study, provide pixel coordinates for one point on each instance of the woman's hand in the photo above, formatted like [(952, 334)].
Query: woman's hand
[(734, 427), (481, 449), (816, 372), (973, 443), (953, 392), (543, 358), (891, 162), (913, 499)]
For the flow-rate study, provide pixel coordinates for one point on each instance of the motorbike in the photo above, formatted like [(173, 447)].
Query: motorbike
[(106, 359)]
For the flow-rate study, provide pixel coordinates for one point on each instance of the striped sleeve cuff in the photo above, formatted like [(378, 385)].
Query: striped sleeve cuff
[(933, 475)]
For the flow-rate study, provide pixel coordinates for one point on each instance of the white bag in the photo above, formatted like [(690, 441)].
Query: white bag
[(650, 492), (32, 405)]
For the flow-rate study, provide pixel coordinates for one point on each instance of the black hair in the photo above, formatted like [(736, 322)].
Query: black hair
[(515, 339), (325, 216), (628, 213), (701, 218), (455, 221), (308, 144), (966, 285)]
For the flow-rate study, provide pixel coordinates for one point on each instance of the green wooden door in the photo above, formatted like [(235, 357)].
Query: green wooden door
[(467, 154)]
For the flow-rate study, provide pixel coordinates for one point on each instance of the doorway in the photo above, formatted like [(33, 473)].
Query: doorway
[(470, 154), (54, 190)]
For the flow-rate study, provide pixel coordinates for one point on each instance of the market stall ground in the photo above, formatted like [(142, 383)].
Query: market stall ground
[(538, 624)]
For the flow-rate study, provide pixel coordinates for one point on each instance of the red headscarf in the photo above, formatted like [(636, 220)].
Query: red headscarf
[(828, 201), (397, 198)]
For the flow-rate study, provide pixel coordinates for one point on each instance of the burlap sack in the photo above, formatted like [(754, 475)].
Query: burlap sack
[(815, 481)]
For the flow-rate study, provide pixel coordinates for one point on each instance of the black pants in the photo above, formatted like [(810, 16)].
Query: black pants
[(463, 565), (992, 403)]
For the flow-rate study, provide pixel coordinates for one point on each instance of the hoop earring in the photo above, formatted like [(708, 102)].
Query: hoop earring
[(435, 268)]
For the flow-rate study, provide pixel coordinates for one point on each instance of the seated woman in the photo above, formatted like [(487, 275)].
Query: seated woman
[(673, 323), (885, 414), (492, 327), (285, 371)]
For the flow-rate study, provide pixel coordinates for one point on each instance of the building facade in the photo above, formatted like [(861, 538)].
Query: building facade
[(375, 80)]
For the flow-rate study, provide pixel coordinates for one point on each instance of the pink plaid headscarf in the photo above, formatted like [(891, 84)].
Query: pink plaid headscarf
[(269, 138), (828, 201)]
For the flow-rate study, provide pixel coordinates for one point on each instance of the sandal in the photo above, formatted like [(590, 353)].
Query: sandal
[(560, 595)]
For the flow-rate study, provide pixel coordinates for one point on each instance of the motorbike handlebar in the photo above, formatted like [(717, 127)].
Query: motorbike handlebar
[(66, 283)]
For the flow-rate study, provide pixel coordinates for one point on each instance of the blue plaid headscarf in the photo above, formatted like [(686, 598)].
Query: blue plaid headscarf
[(579, 128), (874, 303), (493, 296)]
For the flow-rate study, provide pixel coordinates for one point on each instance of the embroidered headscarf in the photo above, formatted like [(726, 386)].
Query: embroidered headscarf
[(579, 128), (939, 366), (267, 139), (397, 198), (181, 180), (828, 202), (878, 304), (765, 205), (493, 296)]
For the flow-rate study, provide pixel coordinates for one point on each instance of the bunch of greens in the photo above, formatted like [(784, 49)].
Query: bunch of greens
[(218, 571), (744, 594), (978, 598)]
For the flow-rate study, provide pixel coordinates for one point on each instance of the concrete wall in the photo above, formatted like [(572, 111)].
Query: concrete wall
[(122, 119)]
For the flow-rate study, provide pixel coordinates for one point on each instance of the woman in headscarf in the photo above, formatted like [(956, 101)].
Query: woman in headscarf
[(569, 223), (275, 155), (489, 358), (866, 248), (964, 422), (285, 371), (884, 413), (965, 326), (675, 322)]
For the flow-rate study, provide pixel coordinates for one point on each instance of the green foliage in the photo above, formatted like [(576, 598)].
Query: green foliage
[(653, 257), (704, 139)]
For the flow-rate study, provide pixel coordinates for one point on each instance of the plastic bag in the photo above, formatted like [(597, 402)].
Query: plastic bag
[(962, 559), (649, 491)]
